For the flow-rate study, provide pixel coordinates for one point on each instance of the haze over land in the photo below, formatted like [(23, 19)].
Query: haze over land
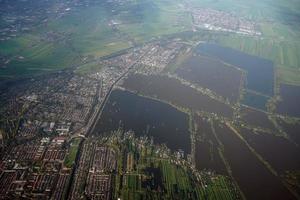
[(149, 99)]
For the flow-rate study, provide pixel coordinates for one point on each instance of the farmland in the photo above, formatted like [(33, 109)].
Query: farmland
[(87, 31), (142, 170), (277, 20), (282, 53)]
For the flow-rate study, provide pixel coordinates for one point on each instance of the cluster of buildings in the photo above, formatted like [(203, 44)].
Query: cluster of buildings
[(99, 180), (23, 16), (222, 21), (111, 69), (59, 104), (43, 113), (39, 120), (100, 165), (94, 174), (151, 58), (158, 56), (41, 116), (35, 170)]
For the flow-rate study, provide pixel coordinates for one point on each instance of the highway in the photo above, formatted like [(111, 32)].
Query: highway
[(95, 117)]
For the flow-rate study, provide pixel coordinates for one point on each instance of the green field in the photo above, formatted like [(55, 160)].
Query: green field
[(71, 156), (100, 30), (288, 75), (279, 24), (89, 33), (284, 53), (161, 178)]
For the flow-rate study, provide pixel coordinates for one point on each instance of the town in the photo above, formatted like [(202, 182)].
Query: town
[(49, 120), (43, 115), (222, 21)]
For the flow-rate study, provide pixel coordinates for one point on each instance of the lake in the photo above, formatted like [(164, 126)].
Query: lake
[(278, 151), (255, 100), (173, 91), (210, 73), (260, 72), (145, 117), (207, 155), (252, 176), (290, 100)]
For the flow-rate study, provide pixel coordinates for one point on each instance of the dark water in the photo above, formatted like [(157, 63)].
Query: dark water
[(260, 72), (255, 100), (254, 179), (155, 182), (278, 151), (292, 130), (145, 117), (213, 74), (207, 153), (290, 104), (171, 90), (256, 118)]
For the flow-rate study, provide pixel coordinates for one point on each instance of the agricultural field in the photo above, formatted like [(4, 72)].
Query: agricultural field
[(278, 22), (88, 31), (282, 53), (280, 44), (158, 178), (288, 76), (152, 19), (62, 43)]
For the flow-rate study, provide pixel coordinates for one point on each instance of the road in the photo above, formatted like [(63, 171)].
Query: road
[(90, 127)]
